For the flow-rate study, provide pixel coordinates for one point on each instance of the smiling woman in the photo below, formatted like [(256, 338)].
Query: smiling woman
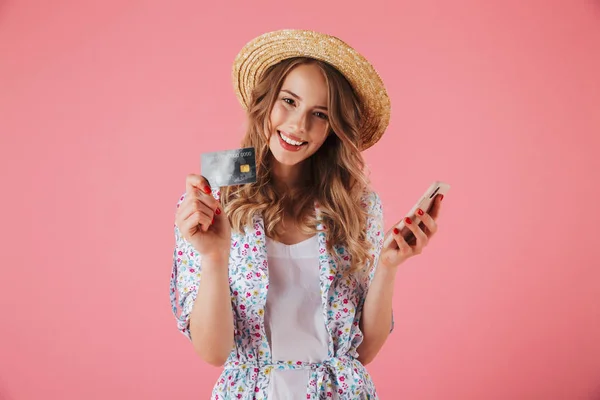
[(308, 232)]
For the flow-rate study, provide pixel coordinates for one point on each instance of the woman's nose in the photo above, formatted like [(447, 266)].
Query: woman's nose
[(299, 120)]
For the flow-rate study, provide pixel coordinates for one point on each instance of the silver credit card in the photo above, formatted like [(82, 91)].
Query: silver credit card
[(229, 167)]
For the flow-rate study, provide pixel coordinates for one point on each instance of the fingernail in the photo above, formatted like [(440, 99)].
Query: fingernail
[(213, 221), (407, 220), (420, 212), (441, 197), (396, 231), (218, 211), (207, 189)]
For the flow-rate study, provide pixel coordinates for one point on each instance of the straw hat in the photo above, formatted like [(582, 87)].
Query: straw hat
[(272, 47)]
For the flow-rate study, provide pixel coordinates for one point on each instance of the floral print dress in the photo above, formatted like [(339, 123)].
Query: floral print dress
[(249, 365)]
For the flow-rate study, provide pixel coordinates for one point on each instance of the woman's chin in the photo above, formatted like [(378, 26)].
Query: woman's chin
[(287, 158), (288, 161)]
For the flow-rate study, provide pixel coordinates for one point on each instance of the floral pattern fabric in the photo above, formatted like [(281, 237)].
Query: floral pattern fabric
[(248, 367)]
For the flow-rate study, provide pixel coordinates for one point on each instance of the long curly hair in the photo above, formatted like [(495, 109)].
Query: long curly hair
[(335, 173)]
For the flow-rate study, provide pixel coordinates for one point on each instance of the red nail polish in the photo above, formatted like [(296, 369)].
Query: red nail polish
[(396, 231), (213, 221), (441, 197), (207, 189), (218, 211), (420, 212), (407, 220)]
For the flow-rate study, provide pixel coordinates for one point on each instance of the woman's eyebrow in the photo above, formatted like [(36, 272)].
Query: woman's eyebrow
[(300, 98)]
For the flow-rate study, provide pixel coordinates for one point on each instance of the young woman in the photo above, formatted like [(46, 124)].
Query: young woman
[(285, 282)]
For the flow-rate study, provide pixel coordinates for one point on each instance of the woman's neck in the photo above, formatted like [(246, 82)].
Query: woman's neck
[(288, 178)]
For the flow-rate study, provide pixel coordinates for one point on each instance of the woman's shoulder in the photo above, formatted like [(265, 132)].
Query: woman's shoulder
[(371, 202)]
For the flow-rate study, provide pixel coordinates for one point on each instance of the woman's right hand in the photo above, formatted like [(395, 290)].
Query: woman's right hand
[(201, 220)]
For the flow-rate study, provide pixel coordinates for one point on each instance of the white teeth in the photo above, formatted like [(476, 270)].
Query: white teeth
[(290, 141)]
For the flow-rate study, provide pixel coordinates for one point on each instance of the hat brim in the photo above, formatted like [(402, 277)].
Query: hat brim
[(270, 48)]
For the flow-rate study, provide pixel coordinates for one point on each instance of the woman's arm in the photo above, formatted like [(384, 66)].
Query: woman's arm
[(376, 320), (211, 319), (201, 273)]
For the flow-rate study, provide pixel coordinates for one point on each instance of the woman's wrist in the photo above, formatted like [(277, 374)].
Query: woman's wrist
[(217, 260)]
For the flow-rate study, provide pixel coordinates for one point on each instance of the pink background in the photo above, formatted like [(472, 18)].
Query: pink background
[(106, 106)]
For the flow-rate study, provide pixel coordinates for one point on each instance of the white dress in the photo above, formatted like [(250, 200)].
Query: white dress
[(294, 321)]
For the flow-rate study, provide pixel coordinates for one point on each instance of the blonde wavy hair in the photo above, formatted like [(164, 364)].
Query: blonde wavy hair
[(335, 175)]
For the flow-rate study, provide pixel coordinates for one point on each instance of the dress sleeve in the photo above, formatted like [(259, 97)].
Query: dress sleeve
[(375, 234), (185, 278)]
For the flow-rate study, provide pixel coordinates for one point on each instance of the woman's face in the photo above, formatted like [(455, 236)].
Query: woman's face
[(299, 119)]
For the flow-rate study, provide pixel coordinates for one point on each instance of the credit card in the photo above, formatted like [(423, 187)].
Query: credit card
[(229, 167)]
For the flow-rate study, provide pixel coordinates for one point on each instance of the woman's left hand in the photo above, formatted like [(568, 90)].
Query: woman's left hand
[(399, 249)]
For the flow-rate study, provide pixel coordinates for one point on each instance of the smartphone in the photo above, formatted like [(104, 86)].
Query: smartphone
[(425, 203)]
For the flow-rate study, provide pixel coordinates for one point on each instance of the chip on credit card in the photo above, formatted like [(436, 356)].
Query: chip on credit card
[(229, 167)]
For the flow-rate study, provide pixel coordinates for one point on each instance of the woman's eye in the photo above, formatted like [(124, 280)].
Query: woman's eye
[(321, 115), (288, 100)]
